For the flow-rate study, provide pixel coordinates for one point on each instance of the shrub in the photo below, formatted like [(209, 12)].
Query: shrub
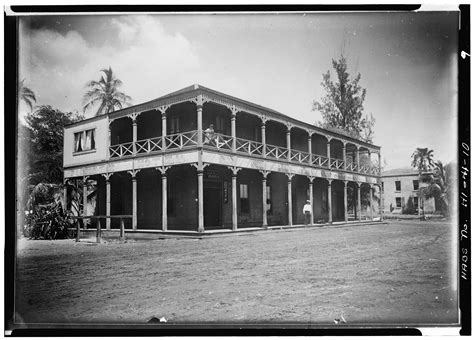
[(47, 222), (410, 207)]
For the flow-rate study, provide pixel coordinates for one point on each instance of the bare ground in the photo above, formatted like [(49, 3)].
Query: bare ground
[(400, 272)]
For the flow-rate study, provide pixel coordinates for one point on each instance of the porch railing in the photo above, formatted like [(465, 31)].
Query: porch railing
[(242, 146), (99, 226)]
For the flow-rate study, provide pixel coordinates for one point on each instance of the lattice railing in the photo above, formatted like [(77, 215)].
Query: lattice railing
[(218, 140), (181, 140), (351, 166), (374, 171), (249, 147), (336, 164), (299, 156), (276, 152), (364, 169), (149, 145), (121, 150)]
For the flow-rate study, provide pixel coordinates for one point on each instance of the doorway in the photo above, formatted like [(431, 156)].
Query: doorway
[(212, 204)]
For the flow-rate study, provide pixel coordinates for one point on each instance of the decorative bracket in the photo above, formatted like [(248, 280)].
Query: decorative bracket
[(264, 119), (329, 181), (162, 169), (133, 116), (199, 100), (310, 132), (233, 109), (289, 175), (265, 173), (328, 138), (85, 178), (134, 172), (289, 126), (163, 108), (196, 165), (234, 169), (311, 178), (111, 121), (107, 175)]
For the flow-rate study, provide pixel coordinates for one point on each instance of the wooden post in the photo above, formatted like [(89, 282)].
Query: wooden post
[(84, 199), (134, 198), (359, 203), (358, 159), (107, 204), (264, 140), (78, 230), (344, 156), (288, 142), (345, 201), (290, 202), (234, 202), (122, 229), (134, 125), (109, 139), (99, 231), (329, 201), (200, 202), (264, 198), (328, 150), (233, 131), (381, 202), (164, 200), (163, 130), (311, 199), (199, 120), (310, 151), (371, 202)]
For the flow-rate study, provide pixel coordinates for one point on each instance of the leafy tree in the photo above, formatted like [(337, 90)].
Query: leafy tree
[(439, 187), (422, 160), (105, 93), (42, 144), (342, 107), (26, 94)]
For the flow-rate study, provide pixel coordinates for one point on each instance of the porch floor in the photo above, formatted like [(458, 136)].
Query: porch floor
[(147, 234)]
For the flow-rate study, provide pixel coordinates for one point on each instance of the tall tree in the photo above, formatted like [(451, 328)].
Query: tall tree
[(422, 160), (26, 94), (42, 144), (342, 107), (105, 93)]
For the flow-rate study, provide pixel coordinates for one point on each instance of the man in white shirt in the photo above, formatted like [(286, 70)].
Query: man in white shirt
[(307, 212)]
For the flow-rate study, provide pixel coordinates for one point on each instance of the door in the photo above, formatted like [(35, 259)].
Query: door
[(212, 204)]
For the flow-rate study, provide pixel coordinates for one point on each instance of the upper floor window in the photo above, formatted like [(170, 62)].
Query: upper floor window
[(398, 186), (415, 184), (84, 140)]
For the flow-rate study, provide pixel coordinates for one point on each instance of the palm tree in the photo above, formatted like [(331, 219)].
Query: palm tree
[(26, 94), (422, 159), (439, 188), (105, 92)]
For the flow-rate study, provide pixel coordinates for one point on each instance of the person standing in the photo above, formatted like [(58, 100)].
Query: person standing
[(307, 212)]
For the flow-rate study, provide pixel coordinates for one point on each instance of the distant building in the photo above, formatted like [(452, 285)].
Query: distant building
[(401, 190)]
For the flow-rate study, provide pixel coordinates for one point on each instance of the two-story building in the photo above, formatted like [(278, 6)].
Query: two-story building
[(401, 189), (159, 162)]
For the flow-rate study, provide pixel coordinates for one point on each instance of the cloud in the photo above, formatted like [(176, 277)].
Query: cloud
[(149, 61)]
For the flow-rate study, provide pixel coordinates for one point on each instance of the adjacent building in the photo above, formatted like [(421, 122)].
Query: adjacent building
[(401, 192), (163, 164)]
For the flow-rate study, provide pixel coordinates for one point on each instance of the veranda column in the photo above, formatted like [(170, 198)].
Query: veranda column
[(134, 173), (310, 152), (134, 131), (370, 161), (233, 128), (344, 154), (311, 198), (358, 159), (264, 197), (234, 170), (264, 138), (164, 198), (199, 103), (65, 181), (200, 201), (109, 138), (288, 140), (345, 202), (371, 200), (290, 203), (329, 201), (84, 199), (381, 201), (328, 150), (107, 199), (359, 203), (163, 109)]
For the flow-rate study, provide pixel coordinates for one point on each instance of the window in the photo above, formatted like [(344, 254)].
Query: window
[(244, 198), (84, 140), (415, 201), (269, 199), (398, 186), (174, 125), (415, 184), (398, 201)]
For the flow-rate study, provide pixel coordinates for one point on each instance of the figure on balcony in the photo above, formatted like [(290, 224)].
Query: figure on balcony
[(307, 212), (209, 134)]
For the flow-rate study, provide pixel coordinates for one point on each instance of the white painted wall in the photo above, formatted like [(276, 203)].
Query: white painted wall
[(100, 124)]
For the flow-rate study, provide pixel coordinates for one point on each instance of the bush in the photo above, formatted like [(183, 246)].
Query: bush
[(410, 207), (48, 222)]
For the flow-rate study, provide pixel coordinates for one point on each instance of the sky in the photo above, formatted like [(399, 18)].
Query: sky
[(407, 62)]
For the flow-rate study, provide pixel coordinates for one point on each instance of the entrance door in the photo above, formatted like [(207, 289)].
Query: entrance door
[(212, 204)]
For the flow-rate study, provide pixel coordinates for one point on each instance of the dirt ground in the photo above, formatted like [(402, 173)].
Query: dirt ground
[(400, 272)]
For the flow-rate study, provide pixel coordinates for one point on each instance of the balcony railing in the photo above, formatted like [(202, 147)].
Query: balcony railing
[(242, 146)]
